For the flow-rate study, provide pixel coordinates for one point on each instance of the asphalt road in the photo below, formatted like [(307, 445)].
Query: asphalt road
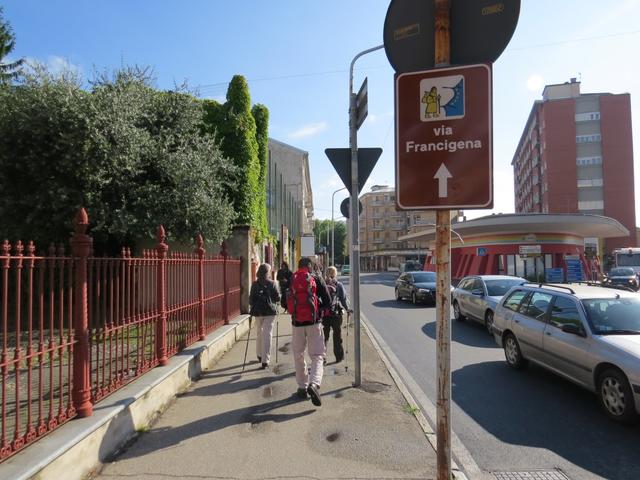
[(508, 420)]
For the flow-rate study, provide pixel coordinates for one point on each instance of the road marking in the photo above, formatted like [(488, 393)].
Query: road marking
[(414, 395)]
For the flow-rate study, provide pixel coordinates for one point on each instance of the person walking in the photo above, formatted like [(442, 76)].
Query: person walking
[(284, 280), (263, 299), (332, 315), (302, 303)]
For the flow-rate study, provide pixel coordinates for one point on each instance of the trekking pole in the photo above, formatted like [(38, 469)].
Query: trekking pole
[(346, 349), (277, 334), (246, 350)]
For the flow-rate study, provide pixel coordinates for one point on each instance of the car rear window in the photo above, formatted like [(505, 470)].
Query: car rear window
[(565, 311), (513, 301), (537, 306)]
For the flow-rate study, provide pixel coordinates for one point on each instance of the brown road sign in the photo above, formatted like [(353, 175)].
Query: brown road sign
[(444, 157)]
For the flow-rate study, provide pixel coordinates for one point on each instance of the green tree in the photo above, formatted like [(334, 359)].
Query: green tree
[(261, 115), (135, 157), (322, 229), (238, 141), (8, 70)]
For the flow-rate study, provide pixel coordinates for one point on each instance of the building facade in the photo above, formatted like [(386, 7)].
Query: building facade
[(381, 225), (535, 246), (575, 155), (289, 201)]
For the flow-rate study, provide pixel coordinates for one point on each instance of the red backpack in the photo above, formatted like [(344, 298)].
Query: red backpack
[(302, 301)]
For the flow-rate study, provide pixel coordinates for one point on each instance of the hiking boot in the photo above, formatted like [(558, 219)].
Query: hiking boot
[(264, 366), (312, 390), (259, 358), (339, 359), (301, 393)]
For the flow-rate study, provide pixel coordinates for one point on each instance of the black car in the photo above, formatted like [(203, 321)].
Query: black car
[(623, 277), (419, 287)]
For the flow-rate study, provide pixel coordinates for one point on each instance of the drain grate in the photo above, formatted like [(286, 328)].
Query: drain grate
[(531, 475)]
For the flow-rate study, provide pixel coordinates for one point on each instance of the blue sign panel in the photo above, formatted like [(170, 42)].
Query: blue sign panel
[(481, 251), (554, 275), (574, 271)]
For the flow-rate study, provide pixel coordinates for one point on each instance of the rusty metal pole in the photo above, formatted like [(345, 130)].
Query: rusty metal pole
[(161, 326), (200, 251), (81, 244), (443, 279)]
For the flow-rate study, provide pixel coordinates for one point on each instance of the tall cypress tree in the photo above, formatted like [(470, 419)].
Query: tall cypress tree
[(261, 116), (239, 144)]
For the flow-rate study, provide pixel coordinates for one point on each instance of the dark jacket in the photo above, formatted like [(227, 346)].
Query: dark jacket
[(324, 300), (263, 298)]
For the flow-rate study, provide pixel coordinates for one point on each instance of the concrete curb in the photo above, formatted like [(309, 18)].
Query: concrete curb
[(425, 424), (79, 447)]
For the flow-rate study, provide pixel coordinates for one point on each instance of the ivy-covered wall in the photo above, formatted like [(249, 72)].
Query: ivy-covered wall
[(243, 134)]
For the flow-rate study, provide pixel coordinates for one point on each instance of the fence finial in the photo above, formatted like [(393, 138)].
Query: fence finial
[(6, 248), (81, 221), (31, 248), (200, 241), (223, 249), (19, 248), (161, 235)]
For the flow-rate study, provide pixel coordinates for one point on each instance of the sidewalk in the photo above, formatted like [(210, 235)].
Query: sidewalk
[(248, 425)]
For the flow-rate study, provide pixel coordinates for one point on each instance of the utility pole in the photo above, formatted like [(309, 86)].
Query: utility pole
[(355, 243), (443, 279)]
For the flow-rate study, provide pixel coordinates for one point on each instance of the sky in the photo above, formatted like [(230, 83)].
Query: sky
[(295, 56)]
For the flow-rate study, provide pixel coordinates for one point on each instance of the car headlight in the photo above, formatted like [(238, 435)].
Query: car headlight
[(422, 290), (632, 280)]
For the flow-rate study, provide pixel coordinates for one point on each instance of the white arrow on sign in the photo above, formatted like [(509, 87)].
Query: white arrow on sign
[(442, 175)]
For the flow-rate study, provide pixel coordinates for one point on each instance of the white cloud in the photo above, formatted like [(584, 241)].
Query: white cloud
[(535, 83), (58, 65), (332, 182), (308, 130)]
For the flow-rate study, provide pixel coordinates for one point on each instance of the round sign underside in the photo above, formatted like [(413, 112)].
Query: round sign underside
[(480, 31)]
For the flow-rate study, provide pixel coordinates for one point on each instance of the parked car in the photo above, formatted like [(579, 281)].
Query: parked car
[(345, 270), (419, 287), (589, 335), (476, 297), (622, 276)]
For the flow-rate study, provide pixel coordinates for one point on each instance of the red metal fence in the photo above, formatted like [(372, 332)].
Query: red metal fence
[(77, 327)]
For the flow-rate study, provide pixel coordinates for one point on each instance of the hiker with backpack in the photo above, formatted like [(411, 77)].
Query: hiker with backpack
[(263, 298), (332, 315), (284, 280), (303, 305)]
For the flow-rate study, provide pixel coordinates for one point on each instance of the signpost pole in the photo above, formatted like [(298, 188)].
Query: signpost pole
[(355, 242), (443, 280)]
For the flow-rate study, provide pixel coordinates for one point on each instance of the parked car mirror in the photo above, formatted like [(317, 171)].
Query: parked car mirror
[(573, 329), (477, 292)]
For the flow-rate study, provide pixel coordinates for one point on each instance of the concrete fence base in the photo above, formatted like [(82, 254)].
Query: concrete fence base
[(81, 446)]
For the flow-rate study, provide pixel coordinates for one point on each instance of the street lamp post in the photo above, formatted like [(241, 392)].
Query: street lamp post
[(354, 260), (333, 228)]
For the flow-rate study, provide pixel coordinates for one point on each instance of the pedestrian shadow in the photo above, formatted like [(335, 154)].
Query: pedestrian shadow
[(467, 333), (252, 416), (236, 382)]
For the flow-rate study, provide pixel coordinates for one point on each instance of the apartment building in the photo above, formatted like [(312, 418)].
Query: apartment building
[(575, 155), (381, 225)]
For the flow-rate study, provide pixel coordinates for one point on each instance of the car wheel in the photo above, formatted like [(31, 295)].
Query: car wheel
[(414, 300), (615, 396), (488, 321), (457, 314), (512, 352), (398, 296)]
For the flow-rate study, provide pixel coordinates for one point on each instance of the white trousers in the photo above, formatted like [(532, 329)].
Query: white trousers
[(313, 337), (264, 329)]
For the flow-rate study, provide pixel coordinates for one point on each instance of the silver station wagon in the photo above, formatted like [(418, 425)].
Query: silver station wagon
[(587, 334)]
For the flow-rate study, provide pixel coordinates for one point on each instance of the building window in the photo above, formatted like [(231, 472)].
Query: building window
[(592, 182), (589, 160), (591, 205), (588, 116), (588, 138)]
